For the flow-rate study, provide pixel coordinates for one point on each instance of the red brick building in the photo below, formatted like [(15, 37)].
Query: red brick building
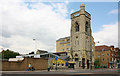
[(108, 55)]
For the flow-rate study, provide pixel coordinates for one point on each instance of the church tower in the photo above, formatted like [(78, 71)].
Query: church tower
[(81, 38)]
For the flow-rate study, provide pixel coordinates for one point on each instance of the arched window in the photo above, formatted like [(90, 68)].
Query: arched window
[(76, 26), (86, 27)]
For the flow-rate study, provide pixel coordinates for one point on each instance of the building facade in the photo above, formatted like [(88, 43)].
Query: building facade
[(63, 44), (108, 56)]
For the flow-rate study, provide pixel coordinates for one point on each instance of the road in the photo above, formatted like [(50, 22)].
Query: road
[(64, 72)]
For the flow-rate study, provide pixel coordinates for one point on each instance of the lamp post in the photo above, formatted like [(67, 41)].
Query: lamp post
[(2, 53), (35, 44)]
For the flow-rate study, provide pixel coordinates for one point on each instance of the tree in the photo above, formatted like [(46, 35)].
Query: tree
[(6, 54), (97, 62)]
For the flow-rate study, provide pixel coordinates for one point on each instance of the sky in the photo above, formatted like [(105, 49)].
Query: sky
[(22, 21)]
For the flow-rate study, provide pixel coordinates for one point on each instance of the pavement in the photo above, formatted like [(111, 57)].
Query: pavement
[(64, 72)]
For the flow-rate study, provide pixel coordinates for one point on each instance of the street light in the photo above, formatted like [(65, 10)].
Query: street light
[(35, 44), (2, 53)]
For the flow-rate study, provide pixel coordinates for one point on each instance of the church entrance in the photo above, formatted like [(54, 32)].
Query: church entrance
[(79, 63), (87, 64), (83, 63), (71, 65)]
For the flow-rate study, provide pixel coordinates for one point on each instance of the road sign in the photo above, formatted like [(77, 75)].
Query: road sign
[(56, 58), (66, 63)]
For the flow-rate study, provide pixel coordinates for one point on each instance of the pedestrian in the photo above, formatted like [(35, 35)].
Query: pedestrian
[(113, 66), (49, 68), (29, 66), (33, 69)]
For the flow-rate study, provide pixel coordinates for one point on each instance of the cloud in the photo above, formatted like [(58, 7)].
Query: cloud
[(20, 24), (72, 11), (66, 2), (115, 11), (108, 35), (60, 8)]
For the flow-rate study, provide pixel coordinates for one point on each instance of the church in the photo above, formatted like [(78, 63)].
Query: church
[(82, 45)]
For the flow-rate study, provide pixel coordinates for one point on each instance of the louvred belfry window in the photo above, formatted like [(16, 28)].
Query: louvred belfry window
[(76, 26), (86, 26)]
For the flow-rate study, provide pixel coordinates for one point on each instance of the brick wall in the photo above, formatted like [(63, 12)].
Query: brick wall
[(37, 63)]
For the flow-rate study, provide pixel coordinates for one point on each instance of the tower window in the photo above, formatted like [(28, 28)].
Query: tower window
[(76, 54), (76, 26), (86, 26), (76, 37)]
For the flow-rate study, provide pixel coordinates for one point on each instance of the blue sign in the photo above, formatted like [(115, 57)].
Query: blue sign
[(66, 63), (56, 58)]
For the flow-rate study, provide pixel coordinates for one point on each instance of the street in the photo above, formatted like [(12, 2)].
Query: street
[(61, 75), (64, 72)]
